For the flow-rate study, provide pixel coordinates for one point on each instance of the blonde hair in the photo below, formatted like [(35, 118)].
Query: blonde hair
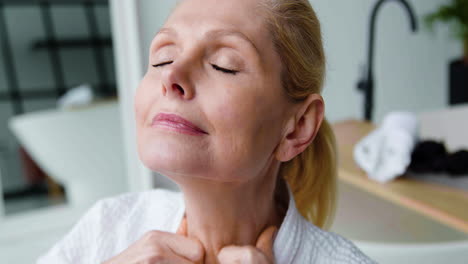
[(296, 34)]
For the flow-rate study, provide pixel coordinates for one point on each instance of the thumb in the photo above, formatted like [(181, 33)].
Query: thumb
[(265, 241)]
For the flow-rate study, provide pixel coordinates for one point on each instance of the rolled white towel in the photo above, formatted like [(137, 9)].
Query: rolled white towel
[(77, 96), (386, 152)]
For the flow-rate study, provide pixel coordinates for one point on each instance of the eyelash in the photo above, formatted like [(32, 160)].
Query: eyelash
[(161, 64), (216, 67)]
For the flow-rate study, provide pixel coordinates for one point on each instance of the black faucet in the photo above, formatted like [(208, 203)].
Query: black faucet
[(366, 84)]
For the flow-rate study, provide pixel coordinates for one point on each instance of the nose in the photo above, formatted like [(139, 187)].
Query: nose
[(176, 82)]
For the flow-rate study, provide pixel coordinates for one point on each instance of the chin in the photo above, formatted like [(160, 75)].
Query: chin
[(176, 156), (172, 157)]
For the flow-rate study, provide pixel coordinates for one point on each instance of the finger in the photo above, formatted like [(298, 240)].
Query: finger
[(241, 254), (229, 254), (183, 246), (189, 248), (265, 242), (171, 259), (182, 228)]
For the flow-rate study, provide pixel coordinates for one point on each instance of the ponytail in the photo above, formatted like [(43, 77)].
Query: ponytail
[(312, 178), (296, 34)]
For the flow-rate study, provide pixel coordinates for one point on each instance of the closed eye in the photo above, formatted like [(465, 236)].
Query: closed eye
[(216, 67), (162, 64), (228, 71)]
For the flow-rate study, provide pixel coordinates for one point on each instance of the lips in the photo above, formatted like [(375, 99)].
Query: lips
[(176, 122)]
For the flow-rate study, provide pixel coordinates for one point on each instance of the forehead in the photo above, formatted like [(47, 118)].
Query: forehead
[(201, 16)]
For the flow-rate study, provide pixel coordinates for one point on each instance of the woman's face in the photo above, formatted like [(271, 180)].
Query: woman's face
[(213, 64)]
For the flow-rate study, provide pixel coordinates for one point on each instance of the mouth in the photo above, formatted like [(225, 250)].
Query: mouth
[(177, 123)]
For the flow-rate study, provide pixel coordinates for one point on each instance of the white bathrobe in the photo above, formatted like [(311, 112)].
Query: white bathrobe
[(113, 224)]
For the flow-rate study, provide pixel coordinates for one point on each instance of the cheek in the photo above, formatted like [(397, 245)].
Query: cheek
[(235, 105), (244, 136), (144, 95)]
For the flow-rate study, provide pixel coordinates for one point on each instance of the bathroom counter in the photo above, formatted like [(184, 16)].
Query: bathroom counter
[(444, 204)]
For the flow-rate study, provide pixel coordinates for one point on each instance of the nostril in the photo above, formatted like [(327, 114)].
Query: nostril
[(178, 87)]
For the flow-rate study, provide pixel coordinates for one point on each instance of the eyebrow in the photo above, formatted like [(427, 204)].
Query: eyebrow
[(167, 30), (214, 34)]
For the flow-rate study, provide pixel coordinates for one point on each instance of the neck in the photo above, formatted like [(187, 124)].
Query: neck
[(222, 214)]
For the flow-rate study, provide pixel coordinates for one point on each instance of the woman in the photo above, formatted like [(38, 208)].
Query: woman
[(230, 109)]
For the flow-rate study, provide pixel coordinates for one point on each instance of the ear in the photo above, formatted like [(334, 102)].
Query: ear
[(302, 128)]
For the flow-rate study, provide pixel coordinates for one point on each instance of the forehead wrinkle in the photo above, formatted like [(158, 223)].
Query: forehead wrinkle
[(219, 33), (214, 34)]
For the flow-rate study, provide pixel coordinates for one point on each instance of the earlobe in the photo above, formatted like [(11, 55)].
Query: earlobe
[(281, 152), (303, 130)]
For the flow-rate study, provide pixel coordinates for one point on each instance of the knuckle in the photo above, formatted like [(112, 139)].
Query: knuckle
[(222, 253), (198, 250), (156, 250), (249, 254), (152, 235), (228, 255), (156, 259)]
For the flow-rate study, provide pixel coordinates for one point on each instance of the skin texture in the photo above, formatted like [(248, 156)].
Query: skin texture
[(227, 175)]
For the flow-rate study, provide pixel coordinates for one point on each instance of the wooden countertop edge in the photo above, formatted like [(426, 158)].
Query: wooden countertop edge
[(406, 202)]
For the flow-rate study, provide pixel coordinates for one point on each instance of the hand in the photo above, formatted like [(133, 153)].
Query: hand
[(158, 247), (262, 253)]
